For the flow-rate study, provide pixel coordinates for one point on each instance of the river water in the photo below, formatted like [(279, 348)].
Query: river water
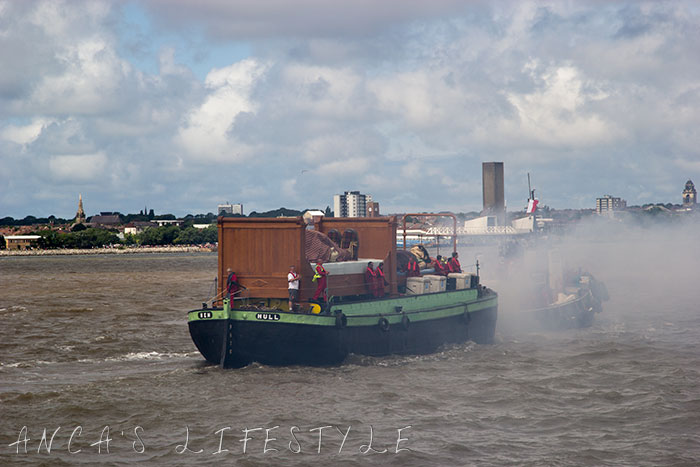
[(95, 351)]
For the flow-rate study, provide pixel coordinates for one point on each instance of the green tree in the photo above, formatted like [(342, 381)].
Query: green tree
[(211, 234), (159, 235), (51, 239), (188, 236), (130, 239)]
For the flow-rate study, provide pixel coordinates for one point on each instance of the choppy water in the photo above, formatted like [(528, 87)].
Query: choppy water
[(102, 341)]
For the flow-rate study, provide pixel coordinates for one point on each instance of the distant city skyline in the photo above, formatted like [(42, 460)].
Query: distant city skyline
[(181, 106), (238, 208)]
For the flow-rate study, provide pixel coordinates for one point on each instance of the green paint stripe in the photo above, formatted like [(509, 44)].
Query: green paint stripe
[(273, 317), (284, 317), (408, 303), (205, 315)]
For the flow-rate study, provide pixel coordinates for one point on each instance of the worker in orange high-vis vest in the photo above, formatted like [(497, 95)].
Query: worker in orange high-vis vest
[(321, 282)]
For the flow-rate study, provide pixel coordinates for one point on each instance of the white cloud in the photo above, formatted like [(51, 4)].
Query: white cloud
[(88, 84), (78, 168), (24, 134), (556, 114), (341, 169), (323, 92), (205, 134)]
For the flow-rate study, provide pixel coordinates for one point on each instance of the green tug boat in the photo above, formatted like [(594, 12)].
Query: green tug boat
[(415, 315)]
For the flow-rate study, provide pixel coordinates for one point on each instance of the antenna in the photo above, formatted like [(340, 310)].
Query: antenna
[(530, 191)]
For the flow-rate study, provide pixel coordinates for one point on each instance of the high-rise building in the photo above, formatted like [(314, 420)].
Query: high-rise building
[(608, 204), (690, 196), (230, 209), (493, 190), (351, 204)]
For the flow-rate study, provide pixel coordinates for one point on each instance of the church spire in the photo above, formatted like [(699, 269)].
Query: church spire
[(80, 215)]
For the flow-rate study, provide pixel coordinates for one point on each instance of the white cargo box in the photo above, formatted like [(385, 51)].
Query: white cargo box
[(463, 280), (437, 283), (417, 285), (347, 267)]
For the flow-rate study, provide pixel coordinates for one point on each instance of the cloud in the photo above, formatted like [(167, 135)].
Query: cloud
[(24, 134), (403, 100), (206, 132), (77, 168), (692, 166), (344, 168), (556, 112), (238, 19)]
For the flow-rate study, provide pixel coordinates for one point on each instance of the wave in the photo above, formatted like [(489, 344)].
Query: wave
[(129, 357)]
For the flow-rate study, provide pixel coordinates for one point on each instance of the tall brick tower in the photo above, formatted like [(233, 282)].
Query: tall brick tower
[(493, 190)]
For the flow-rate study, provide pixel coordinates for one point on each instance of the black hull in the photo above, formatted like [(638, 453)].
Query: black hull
[(236, 343), (577, 314)]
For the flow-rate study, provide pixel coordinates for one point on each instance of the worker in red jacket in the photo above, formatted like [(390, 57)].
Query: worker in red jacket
[(380, 281), (412, 268), (440, 268), (232, 285), (453, 264), (321, 280), (370, 282)]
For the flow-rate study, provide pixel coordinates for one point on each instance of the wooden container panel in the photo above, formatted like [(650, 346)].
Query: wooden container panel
[(377, 235), (260, 252), (377, 238)]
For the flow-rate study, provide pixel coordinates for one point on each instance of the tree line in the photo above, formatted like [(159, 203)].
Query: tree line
[(152, 236), (123, 218)]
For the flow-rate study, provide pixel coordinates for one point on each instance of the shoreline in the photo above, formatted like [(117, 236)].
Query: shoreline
[(109, 251)]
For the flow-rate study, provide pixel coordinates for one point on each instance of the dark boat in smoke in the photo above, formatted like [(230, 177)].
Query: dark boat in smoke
[(557, 299), (575, 307)]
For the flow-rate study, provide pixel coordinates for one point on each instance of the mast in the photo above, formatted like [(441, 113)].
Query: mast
[(530, 192), (531, 201)]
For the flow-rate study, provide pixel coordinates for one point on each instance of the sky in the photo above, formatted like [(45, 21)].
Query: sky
[(178, 106)]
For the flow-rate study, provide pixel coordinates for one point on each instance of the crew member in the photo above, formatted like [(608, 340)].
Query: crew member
[(232, 285), (293, 281), (321, 279), (370, 279), (453, 264), (380, 281), (412, 268), (440, 269)]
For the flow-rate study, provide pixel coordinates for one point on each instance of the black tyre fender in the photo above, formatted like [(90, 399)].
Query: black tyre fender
[(405, 322), (383, 324), (341, 320)]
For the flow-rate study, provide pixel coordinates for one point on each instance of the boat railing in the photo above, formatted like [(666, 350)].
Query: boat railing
[(241, 296)]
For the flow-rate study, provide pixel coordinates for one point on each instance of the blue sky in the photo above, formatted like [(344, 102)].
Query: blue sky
[(181, 105)]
